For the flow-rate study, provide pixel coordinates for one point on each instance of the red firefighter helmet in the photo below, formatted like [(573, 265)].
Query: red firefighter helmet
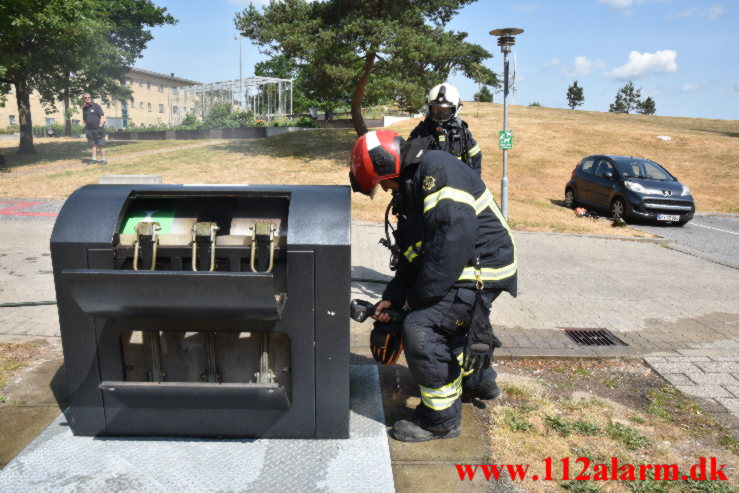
[(375, 158)]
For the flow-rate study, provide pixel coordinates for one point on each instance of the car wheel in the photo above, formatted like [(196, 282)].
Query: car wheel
[(570, 201), (618, 209)]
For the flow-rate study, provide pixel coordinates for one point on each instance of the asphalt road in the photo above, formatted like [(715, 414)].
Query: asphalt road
[(711, 236)]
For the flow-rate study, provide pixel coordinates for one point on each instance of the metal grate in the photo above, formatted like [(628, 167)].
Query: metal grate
[(593, 337)]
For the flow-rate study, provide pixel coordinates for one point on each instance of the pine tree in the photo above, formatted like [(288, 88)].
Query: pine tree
[(627, 99), (484, 95), (575, 96), (364, 51), (647, 107)]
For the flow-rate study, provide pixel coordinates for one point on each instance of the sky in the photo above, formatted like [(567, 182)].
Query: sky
[(684, 54)]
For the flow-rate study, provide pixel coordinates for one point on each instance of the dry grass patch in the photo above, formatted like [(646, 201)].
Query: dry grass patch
[(566, 411), (13, 358)]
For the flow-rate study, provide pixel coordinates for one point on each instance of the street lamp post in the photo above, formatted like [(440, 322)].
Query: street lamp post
[(506, 39), (241, 77)]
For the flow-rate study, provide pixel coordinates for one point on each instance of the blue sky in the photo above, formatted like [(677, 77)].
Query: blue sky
[(682, 53)]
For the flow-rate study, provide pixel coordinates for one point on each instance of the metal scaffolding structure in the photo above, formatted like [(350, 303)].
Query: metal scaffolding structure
[(266, 97)]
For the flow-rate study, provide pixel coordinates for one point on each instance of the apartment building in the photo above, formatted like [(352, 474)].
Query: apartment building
[(154, 101)]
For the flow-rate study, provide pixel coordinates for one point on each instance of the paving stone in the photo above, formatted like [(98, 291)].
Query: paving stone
[(713, 378), (734, 389), (730, 403), (718, 366), (707, 391), (708, 352), (678, 379), (675, 367)]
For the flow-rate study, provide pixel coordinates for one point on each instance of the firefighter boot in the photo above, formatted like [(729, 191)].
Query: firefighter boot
[(409, 431)]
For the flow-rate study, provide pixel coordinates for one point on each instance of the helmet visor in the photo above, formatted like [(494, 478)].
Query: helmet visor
[(356, 188), (441, 112)]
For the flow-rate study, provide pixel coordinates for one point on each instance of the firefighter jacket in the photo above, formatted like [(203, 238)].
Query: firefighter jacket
[(450, 232), (453, 137)]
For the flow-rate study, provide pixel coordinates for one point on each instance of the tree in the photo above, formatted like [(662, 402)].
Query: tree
[(63, 47), (483, 95), (366, 51), (575, 96), (627, 99), (647, 107)]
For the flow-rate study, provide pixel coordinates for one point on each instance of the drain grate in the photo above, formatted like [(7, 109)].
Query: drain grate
[(593, 337)]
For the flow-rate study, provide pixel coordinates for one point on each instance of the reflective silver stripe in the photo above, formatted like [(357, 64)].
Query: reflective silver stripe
[(410, 253), (443, 397), (467, 373), (474, 150), (447, 193)]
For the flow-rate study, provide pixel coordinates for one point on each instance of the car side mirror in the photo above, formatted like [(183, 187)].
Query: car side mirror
[(608, 175)]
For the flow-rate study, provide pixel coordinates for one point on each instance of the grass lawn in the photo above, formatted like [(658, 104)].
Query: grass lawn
[(547, 144)]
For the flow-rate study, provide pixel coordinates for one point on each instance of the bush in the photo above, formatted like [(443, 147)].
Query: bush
[(305, 121), (58, 128), (10, 129)]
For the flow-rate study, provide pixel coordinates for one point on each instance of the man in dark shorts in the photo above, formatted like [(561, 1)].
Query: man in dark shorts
[(94, 118)]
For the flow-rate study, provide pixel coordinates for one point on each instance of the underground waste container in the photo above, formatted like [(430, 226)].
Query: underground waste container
[(205, 311)]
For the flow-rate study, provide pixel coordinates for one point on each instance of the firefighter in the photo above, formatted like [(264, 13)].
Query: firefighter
[(456, 256), (450, 133)]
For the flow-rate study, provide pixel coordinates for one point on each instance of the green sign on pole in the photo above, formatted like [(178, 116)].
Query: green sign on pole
[(506, 139)]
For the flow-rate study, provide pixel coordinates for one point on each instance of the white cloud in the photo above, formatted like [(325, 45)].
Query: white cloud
[(618, 4), (552, 62), (734, 90), (712, 13), (681, 14), (526, 8), (715, 12), (584, 66), (640, 64), (690, 87)]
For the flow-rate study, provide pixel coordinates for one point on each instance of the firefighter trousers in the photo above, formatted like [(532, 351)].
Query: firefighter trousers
[(434, 337)]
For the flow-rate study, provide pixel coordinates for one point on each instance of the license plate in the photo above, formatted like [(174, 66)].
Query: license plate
[(668, 217)]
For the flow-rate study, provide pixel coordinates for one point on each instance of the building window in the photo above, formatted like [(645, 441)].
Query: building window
[(141, 83), (11, 119), (160, 88), (75, 122), (161, 108), (148, 85), (50, 121), (141, 105), (148, 106), (185, 110), (174, 110), (133, 103)]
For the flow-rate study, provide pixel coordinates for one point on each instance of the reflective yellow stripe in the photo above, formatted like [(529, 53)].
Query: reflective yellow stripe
[(443, 397), (488, 273), (447, 193), (410, 253), (460, 358), (483, 202), (474, 150)]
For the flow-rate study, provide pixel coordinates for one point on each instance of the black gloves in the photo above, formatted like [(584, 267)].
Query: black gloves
[(481, 342), (386, 343)]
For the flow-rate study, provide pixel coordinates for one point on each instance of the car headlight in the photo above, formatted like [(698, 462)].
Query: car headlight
[(686, 191), (635, 187)]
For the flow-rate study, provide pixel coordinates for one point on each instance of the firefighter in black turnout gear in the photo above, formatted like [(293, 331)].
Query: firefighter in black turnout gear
[(449, 132), (456, 256)]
